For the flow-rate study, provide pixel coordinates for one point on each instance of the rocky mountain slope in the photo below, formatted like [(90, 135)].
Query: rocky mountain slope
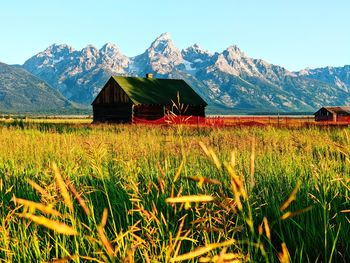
[(22, 92), (229, 81)]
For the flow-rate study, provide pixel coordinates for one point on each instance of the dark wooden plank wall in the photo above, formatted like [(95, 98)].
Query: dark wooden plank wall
[(148, 112), (112, 93), (323, 115), (114, 113)]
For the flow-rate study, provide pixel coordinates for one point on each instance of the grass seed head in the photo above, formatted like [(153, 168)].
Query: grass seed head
[(62, 186), (190, 199), (58, 227), (36, 206), (291, 197), (283, 256), (202, 250)]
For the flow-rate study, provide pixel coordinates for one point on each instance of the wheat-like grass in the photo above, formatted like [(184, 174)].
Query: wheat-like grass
[(32, 206), (202, 250), (56, 226), (147, 182), (62, 186)]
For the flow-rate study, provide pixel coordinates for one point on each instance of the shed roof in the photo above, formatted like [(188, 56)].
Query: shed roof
[(158, 91), (337, 109)]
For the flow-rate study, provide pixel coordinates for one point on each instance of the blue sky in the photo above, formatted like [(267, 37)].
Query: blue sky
[(294, 34)]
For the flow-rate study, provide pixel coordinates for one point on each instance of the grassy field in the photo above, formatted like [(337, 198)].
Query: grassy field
[(85, 193)]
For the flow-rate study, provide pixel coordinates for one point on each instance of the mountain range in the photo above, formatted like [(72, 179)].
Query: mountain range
[(230, 81)]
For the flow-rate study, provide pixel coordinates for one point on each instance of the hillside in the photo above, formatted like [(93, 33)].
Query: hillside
[(21, 92)]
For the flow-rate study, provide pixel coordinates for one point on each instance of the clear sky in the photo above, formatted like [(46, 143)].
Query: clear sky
[(291, 33)]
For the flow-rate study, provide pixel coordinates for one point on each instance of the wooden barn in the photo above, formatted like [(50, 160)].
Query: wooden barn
[(126, 99), (333, 114)]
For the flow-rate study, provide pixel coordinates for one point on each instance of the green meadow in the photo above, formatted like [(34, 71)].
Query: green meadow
[(74, 192)]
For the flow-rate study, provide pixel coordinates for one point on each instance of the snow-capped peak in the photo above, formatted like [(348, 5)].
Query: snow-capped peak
[(195, 48), (164, 36), (196, 56), (90, 48), (110, 50), (109, 46), (89, 51), (59, 47), (163, 44), (161, 57), (304, 72), (112, 59), (233, 52), (55, 49)]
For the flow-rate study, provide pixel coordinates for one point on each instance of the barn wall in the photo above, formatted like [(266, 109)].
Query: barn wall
[(323, 115), (345, 118), (112, 93), (117, 113), (323, 118), (196, 111), (148, 112)]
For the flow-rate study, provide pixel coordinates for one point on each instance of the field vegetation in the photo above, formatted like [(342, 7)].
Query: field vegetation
[(133, 193)]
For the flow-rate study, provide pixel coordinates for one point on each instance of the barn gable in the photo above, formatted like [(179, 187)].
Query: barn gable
[(112, 93), (112, 104)]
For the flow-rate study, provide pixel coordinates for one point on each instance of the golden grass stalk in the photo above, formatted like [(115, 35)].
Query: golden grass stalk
[(252, 163), (283, 256), (105, 241), (215, 158), (237, 195), (38, 188), (147, 259), (292, 214), (178, 172), (211, 154), (56, 226), (291, 197), (88, 259), (64, 260), (204, 148), (228, 257), (177, 241), (161, 169), (190, 199), (345, 211), (36, 206), (129, 256), (233, 159), (80, 200), (267, 228), (202, 180), (237, 182), (135, 200), (8, 190), (62, 186), (202, 250)]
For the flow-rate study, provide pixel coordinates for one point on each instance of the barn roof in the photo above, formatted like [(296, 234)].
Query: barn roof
[(337, 109), (158, 91)]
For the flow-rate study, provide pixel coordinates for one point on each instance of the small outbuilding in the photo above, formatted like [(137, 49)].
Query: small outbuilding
[(333, 114), (126, 99)]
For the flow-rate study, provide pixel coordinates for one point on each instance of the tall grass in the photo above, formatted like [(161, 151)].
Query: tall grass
[(169, 194)]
